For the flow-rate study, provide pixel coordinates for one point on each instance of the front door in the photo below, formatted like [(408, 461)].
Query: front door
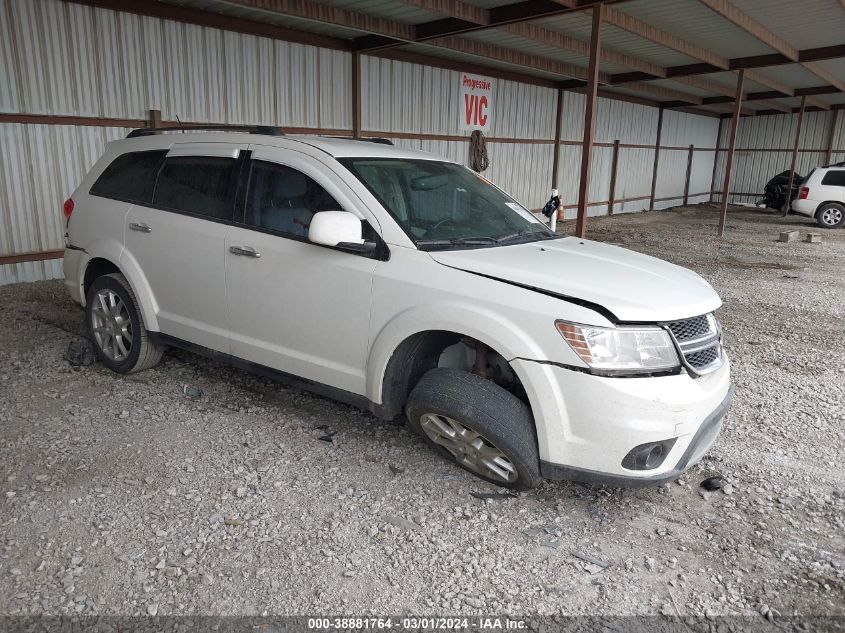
[(295, 306)]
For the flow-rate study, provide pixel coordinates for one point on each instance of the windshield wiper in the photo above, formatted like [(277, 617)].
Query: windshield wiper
[(525, 233), (481, 240)]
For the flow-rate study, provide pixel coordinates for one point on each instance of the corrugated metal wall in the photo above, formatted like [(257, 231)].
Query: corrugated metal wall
[(763, 149), (67, 59)]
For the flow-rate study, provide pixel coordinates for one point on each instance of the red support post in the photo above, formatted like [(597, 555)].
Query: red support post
[(723, 211), (589, 119), (656, 160), (614, 162), (558, 123), (716, 159), (788, 202), (689, 173), (356, 94), (829, 153)]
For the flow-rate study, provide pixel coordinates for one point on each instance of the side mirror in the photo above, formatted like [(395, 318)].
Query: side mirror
[(340, 229)]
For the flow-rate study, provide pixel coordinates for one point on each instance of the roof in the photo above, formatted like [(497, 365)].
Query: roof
[(672, 53)]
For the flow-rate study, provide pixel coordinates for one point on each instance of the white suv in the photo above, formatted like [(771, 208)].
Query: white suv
[(822, 196), (400, 282)]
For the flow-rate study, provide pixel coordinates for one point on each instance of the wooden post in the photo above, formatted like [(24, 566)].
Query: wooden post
[(723, 211), (829, 153), (656, 159), (154, 118), (689, 173), (356, 94), (716, 159), (788, 202), (589, 119), (614, 162), (556, 158)]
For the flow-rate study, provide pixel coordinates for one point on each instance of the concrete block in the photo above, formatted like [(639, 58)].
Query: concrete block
[(813, 238), (788, 236)]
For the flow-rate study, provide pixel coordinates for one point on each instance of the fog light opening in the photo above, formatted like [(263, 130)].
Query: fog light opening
[(648, 456)]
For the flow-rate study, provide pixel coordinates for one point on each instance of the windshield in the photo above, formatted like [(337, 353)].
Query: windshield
[(444, 205)]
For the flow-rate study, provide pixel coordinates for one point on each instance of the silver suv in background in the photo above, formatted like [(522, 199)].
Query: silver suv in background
[(822, 196)]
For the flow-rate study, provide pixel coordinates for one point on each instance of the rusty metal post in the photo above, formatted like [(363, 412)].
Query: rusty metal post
[(656, 160), (558, 124), (829, 153), (723, 211), (154, 118), (589, 119), (788, 202), (716, 159), (356, 94), (689, 173), (614, 162)]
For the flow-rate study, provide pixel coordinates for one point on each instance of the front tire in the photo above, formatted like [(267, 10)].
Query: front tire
[(477, 425), (116, 328), (831, 215)]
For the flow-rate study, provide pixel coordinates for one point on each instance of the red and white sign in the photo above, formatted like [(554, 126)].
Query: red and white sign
[(476, 102)]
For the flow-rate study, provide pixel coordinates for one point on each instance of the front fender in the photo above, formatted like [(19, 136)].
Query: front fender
[(491, 328)]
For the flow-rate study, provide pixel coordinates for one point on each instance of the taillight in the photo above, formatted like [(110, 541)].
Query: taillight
[(68, 208), (805, 191)]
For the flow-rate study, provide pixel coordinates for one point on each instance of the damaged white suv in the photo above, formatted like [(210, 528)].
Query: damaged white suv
[(400, 282)]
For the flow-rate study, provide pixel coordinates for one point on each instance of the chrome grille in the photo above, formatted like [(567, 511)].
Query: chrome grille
[(688, 329), (699, 339)]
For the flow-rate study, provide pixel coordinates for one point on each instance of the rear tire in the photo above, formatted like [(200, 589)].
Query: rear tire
[(116, 328), (477, 425), (831, 215)]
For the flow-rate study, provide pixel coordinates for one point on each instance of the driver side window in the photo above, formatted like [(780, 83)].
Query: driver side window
[(283, 200)]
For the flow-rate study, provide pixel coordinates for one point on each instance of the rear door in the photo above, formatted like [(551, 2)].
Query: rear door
[(178, 240), (295, 306)]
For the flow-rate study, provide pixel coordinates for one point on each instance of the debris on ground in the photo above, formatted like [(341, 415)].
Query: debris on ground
[(493, 495), (80, 353), (396, 470), (192, 393), (711, 483)]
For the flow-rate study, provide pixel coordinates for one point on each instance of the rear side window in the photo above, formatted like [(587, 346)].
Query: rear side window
[(198, 185), (835, 177), (130, 177)]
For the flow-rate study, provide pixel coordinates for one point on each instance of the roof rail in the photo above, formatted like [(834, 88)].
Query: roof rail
[(267, 130), (366, 139)]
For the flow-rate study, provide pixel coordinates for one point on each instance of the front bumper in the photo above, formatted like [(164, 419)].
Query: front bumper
[(697, 447), (587, 424)]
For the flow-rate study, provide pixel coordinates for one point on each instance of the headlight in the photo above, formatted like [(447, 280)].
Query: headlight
[(643, 349)]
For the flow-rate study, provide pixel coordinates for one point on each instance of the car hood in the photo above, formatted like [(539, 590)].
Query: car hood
[(632, 286)]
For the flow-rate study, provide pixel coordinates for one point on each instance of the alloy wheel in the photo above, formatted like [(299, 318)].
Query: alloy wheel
[(469, 448), (112, 325), (832, 216)]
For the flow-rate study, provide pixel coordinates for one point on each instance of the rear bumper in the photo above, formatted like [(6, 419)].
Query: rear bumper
[(73, 268), (698, 446), (805, 207)]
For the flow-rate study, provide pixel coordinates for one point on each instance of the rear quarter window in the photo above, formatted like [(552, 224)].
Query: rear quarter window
[(834, 177), (130, 177)]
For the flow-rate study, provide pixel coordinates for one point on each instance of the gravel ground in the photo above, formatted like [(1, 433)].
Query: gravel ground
[(122, 495)]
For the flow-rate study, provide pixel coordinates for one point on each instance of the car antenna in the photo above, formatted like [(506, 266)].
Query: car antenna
[(182, 127)]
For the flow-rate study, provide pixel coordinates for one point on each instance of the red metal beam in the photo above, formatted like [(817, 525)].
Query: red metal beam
[(589, 120), (656, 159), (356, 95), (723, 211), (831, 136), (614, 163), (788, 200), (716, 159), (558, 126), (689, 173)]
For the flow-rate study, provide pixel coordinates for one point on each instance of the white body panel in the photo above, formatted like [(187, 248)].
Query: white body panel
[(336, 317)]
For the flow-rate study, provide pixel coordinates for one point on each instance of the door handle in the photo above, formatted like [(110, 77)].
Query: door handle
[(246, 251), (139, 226)]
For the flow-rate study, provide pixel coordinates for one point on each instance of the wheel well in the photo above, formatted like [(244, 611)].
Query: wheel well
[(97, 267), (424, 351)]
